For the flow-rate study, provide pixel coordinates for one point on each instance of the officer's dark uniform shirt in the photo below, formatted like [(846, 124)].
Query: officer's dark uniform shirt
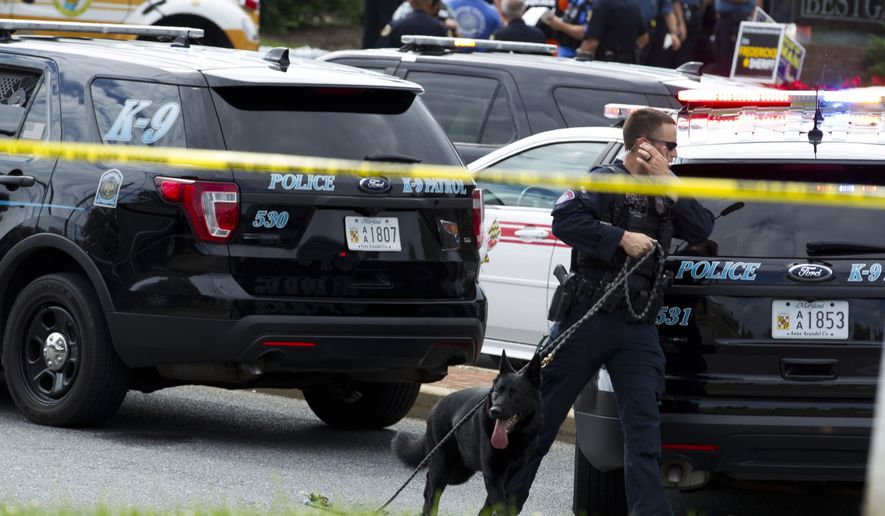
[(616, 24), (517, 30), (578, 221), (416, 23)]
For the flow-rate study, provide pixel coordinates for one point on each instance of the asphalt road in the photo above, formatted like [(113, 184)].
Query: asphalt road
[(202, 447)]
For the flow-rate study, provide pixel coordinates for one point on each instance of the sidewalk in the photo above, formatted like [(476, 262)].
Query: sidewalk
[(460, 377)]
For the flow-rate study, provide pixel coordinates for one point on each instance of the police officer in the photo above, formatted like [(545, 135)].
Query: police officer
[(603, 230), (516, 29), (376, 14), (421, 21), (615, 32), (729, 15)]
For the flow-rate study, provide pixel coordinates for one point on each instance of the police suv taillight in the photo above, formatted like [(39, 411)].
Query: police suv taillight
[(479, 213), (212, 207)]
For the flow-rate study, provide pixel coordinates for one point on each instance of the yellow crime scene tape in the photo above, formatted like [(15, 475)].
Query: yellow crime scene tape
[(856, 196)]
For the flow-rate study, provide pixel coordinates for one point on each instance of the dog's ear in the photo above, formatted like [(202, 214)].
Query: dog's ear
[(505, 366), (533, 371)]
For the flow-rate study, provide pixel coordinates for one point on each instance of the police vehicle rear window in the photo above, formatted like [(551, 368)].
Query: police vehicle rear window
[(344, 123), (754, 229)]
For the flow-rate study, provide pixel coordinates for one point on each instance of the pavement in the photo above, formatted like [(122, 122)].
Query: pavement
[(459, 377)]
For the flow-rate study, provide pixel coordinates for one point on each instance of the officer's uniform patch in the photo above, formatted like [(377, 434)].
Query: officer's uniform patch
[(567, 196)]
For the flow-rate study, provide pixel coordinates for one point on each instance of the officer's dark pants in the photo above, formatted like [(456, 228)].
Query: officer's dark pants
[(725, 36), (376, 14), (633, 357)]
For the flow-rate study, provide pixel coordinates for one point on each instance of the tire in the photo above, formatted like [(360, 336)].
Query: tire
[(363, 405), (79, 382), (597, 493)]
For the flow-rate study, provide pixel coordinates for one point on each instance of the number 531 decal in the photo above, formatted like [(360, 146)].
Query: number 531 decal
[(270, 219), (673, 316)]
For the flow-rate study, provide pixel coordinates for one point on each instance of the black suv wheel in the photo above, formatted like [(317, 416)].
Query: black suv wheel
[(60, 367), (363, 405), (598, 493)]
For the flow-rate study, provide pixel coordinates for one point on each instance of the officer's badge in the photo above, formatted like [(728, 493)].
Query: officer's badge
[(567, 196), (386, 30), (108, 189)]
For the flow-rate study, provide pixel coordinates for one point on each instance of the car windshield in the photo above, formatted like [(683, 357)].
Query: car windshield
[(345, 123), (786, 230)]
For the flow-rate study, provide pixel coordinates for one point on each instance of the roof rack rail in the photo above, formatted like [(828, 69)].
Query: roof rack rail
[(440, 43), (7, 27)]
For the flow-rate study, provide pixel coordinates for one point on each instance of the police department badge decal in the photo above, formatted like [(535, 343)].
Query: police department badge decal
[(108, 189), (71, 7)]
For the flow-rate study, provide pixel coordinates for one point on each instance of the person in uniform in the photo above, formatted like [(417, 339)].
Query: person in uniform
[(516, 29), (661, 20), (729, 15), (603, 231), (615, 32), (422, 21), (376, 14), (568, 25)]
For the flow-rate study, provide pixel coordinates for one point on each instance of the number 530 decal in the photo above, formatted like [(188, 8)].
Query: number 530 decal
[(673, 316), (270, 219)]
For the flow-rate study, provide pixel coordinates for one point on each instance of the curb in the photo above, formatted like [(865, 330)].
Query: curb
[(458, 377)]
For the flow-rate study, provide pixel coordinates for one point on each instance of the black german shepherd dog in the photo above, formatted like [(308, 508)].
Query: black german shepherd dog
[(498, 439)]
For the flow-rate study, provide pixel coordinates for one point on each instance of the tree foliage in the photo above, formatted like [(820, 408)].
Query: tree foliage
[(282, 16), (874, 57)]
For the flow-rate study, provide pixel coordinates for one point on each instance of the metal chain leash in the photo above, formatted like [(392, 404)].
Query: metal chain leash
[(547, 352)]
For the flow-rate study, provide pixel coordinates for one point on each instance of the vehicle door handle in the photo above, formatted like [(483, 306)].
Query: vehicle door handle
[(809, 369), (10, 180), (531, 233)]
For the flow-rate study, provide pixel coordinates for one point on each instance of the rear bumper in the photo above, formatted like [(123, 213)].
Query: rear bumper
[(299, 343), (751, 447)]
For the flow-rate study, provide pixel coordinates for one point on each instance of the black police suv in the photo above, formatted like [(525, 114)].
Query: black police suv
[(119, 275), (772, 331), (487, 99)]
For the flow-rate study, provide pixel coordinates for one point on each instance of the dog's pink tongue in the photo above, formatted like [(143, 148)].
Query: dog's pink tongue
[(499, 435)]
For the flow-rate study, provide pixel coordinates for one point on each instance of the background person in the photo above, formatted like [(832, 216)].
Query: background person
[(603, 230), (376, 14), (568, 25), (516, 28), (475, 18), (421, 21), (729, 15), (615, 32), (662, 20)]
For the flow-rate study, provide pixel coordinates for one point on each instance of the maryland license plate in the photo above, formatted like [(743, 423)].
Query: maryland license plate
[(797, 319), (372, 233)]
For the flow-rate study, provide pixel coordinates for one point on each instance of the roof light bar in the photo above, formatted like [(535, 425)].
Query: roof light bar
[(736, 98), (411, 42), (100, 28), (622, 111)]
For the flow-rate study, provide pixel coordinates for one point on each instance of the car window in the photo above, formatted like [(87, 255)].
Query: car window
[(469, 109), (36, 126), (783, 230), (571, 158), (583, 106), (17, 93), (345, 123), (138, 113)]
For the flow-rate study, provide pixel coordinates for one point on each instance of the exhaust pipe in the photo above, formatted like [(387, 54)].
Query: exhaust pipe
[(680, 474)]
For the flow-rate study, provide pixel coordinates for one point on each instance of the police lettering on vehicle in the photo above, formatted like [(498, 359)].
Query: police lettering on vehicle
[(440, 186), (859, 272), (160, 123), (716, 270), (302, 182)]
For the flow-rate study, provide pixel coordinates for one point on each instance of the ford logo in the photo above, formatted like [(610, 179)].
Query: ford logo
[(374, 184), (810, 272)]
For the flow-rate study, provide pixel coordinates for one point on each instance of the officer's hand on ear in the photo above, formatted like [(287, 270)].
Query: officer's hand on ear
[(636, 245), (651, 161)]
